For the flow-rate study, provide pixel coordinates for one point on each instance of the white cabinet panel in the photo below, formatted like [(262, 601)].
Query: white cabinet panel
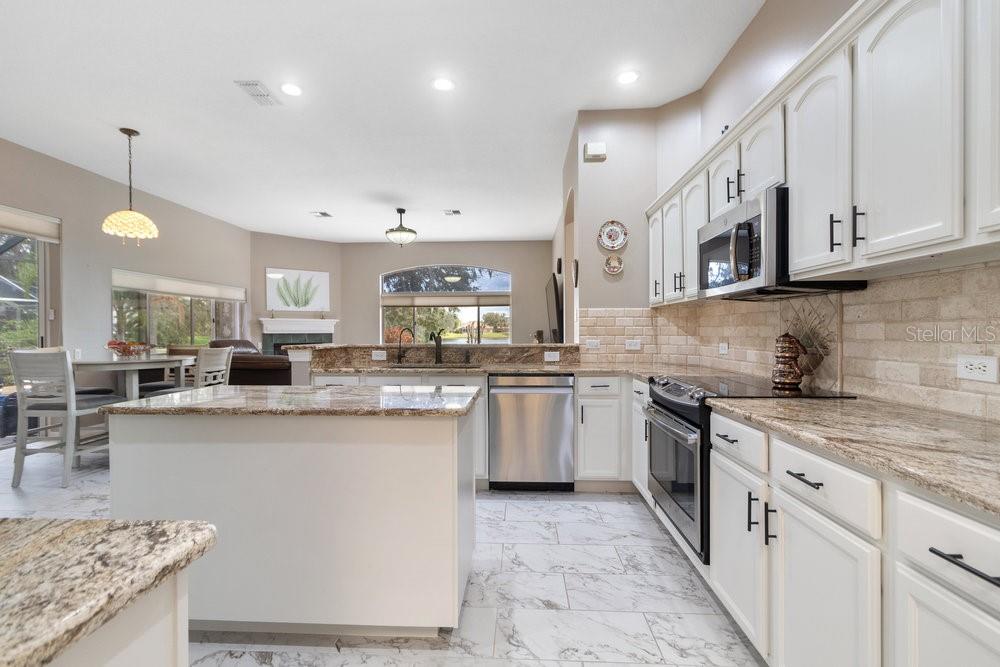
[(393, 380), (825, 589), (656, 258), (336, 380), (762, 155), (673, 250), (694, 207), (909, 121), (739, 558), (640, 448), (722, 181), (818, 126), (598, 438), (984, 114), (480, 415), (935, 628)]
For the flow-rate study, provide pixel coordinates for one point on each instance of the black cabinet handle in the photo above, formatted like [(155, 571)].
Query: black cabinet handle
[(600, 386), (739, 180), (636, 391), (729, 194), (801, 476), (656, 288), (855, 214), (750, 521), (767, 524), (683, 286), (581, 414), (731, 441), (833, 221), (956, 559), (646, 429)]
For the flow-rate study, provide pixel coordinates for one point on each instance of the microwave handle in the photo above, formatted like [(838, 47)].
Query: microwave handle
[(733, 265)]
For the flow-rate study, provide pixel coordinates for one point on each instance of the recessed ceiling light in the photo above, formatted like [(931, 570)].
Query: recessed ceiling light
[(452, 279), (443, 84), (291, 89), (276, 276), (630, 76), (452, 211), (320, 214)]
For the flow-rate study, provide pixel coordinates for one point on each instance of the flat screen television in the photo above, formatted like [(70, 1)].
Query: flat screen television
[(553, 299)]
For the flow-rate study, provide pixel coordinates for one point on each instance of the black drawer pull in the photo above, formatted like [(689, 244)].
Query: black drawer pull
[(731, 441), (767, 524), (750, 521), (956, 559), (636, 391), (801, 476), (600, 386)]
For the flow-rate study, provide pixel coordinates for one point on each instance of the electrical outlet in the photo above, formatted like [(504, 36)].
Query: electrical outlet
[(633, 345), (723, 348), (77, 354), (983, 369), (551, 356), (378, 355), (593, 344)]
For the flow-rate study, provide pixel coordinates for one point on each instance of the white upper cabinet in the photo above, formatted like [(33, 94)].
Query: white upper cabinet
[(909, 126), (722, 181), (673, 250), (694, 198), (818, 144), (984, 114), (762, 155), (656, 258)]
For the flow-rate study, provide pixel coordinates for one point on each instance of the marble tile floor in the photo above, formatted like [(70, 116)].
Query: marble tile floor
[(558, 579)]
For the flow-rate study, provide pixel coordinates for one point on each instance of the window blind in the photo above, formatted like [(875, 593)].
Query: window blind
[(147, 282), (25, 223)]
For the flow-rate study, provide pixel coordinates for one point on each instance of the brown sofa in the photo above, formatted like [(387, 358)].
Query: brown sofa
[(251, 367)]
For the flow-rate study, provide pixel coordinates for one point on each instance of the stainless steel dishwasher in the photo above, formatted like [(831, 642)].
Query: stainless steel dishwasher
[(531, 432)]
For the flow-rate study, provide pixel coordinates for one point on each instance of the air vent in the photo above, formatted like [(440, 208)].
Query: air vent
[(452, 211), (320, 214), (258, 92)]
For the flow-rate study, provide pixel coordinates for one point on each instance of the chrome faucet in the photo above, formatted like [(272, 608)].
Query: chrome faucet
[(436, 337), (399, 346)]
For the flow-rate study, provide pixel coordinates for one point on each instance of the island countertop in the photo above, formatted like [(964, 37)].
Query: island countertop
[(410, 401), (953, 455), (62, 579)]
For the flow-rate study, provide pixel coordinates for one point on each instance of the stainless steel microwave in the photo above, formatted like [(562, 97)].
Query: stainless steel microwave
[(743, 254)]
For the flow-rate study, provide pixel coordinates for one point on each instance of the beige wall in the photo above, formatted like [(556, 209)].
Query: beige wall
[(678, 139), (191, 245), (287, 252)]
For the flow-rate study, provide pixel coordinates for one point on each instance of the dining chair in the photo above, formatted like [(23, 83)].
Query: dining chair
[(211, 368), (168, 381), (46, 388)]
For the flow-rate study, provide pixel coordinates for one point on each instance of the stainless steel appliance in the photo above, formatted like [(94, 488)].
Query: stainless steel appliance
[(531, 432), (743, 254)]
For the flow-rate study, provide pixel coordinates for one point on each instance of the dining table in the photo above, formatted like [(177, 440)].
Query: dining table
[(128, 367)]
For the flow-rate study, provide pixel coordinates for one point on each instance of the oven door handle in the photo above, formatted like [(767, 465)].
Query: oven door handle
[(655, 418)]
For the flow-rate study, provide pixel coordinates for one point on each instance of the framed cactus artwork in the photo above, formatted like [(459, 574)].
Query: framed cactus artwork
[(296, 290)]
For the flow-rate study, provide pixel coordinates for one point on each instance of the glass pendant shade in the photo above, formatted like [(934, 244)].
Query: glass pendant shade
[(400, 234), (129, 224)]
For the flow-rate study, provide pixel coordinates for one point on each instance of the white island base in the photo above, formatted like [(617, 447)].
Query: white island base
[(326, 524)]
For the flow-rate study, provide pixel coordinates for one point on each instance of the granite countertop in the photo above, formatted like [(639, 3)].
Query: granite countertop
[(424, 401), (952, 455), (640, 372), (62, 579)]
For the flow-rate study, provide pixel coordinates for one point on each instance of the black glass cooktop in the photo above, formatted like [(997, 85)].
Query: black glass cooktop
[(747, 386)]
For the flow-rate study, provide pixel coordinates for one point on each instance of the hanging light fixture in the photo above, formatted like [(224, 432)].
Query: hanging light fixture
[(401, 235), (130, 224)]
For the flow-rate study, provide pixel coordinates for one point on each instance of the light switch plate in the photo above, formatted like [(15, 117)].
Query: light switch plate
[(551, 356), (378, 355), (983, 369), (633, 345), (593, 344), (723, 348)]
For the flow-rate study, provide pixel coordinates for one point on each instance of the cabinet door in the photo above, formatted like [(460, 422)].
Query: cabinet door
[(392, 380), (762, 155), (694, 211), (739, 557), (673, 250), (640, 449), (933, 627), (656, 258), (908, 150), (984, 114), (818, 127), (480, 416), (598, 438), (825, 590), (722, 181)]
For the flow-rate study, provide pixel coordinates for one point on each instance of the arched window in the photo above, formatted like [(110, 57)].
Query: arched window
[(471, 304)]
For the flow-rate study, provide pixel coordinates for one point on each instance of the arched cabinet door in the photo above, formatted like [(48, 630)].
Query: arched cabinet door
[(656, 258), (762, 155), (694, 198), (722, 191)]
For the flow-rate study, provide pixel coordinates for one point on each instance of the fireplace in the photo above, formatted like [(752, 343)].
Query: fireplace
[(278, 331), (271, 343)]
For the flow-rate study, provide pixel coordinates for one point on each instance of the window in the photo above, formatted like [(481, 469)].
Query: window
[(170, 319), (469, 304), (19, 290)]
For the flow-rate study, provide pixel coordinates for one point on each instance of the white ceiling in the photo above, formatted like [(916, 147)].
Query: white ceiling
[(369, 133)]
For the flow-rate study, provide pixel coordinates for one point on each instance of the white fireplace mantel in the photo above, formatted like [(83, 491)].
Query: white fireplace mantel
[(293, 325)]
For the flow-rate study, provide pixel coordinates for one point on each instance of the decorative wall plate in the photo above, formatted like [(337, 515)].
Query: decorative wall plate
[(613, 235), (613, 265)]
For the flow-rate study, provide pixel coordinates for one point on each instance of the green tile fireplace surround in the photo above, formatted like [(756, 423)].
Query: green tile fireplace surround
[(271, 343)]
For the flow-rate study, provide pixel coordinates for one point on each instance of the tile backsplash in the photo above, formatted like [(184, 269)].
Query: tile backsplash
[(898, 340)]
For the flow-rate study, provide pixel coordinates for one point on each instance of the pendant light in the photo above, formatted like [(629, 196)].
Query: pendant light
[(130, 224), (399, 234)]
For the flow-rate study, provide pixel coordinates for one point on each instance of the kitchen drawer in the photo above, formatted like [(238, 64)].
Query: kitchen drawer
[(456, 380), (597, 386), (739, 441), (921, 526), (852, 496), (336, 380), (393, 380)]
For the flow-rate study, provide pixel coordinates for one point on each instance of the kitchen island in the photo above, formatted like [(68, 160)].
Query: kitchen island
[(339, 509)]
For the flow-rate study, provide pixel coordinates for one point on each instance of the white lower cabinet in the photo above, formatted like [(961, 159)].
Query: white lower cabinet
[(598, 438), (936, 628), (739, 558), (825, 589), (480, 415), (640, 445), (394, 380)]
